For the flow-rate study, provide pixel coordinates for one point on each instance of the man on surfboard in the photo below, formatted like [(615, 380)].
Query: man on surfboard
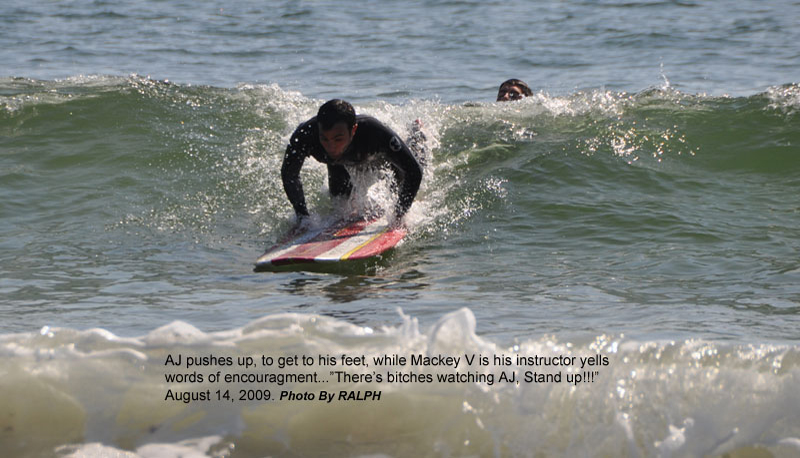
[(338, 138)]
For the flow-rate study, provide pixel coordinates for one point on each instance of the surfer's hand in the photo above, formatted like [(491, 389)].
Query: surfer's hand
[(398, 223), (301, 225)]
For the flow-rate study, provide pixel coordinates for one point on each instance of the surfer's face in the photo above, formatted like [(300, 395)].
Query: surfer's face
[(336, 139), (509, 92)]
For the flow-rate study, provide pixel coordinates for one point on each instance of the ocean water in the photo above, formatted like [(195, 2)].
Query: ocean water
[(610, 267)]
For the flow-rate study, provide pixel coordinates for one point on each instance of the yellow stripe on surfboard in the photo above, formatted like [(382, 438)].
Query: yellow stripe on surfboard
[(350, 253)]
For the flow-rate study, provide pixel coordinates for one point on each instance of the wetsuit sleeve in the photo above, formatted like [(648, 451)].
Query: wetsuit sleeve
[(290, 174), (408, 173), (339, 181)]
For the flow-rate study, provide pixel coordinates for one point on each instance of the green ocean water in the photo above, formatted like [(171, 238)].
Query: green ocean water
[(160, 196)]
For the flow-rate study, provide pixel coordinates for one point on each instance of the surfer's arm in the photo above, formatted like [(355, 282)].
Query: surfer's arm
[(409, 176), (290, 174)]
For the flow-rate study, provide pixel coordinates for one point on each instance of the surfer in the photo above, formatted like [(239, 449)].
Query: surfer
[(513, 89), (338, 138)]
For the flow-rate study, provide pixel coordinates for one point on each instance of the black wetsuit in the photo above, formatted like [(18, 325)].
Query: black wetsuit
[(372, 142)]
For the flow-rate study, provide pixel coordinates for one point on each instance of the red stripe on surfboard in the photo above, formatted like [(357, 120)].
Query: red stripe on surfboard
[(379, 245), (310, 250)]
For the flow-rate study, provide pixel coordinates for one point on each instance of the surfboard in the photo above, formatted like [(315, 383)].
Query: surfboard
[(343, 240)]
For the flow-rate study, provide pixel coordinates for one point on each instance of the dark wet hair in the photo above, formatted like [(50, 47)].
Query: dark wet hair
[(526, 90), (336, 111)]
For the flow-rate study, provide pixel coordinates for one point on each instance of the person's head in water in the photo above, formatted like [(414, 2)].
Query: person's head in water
[(337, 125), (513, 89)]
